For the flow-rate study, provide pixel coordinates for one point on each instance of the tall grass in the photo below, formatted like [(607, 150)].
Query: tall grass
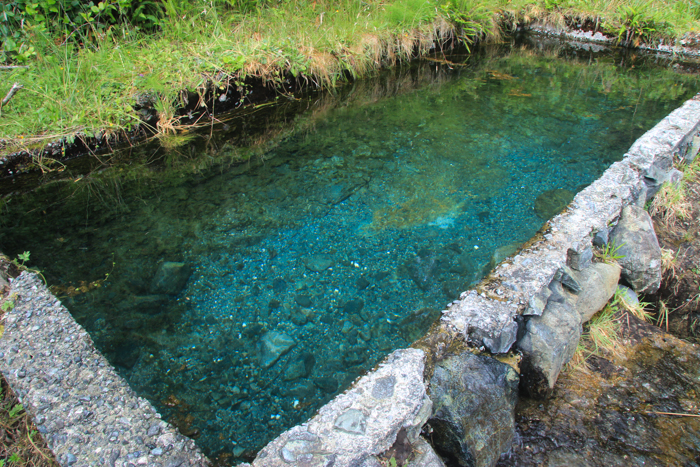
[(85, 81)]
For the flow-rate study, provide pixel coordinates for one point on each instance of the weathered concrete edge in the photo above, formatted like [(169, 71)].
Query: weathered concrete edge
[(518, 283), (87, 413), (687, 46)]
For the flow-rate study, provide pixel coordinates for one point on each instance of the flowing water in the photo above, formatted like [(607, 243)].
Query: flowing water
[(240, 288)]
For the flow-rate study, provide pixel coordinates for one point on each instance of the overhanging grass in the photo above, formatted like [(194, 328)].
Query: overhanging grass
[(70, 90)]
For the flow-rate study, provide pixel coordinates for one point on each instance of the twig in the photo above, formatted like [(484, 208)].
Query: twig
[(15, 87), (676, 414), (29, 438), (12, 67)]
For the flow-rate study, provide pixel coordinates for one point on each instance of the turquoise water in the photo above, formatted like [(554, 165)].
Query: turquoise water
[(341, 234)]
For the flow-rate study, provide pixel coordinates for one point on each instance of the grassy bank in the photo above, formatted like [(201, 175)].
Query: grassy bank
[(82, 74)]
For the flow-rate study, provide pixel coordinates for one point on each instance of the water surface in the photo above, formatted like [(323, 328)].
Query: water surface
[(341, 233)]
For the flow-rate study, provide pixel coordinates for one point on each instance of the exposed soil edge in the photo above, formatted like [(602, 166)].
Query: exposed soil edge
[(257, 91)]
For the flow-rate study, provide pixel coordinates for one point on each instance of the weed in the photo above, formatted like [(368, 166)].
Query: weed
[(21, 443), (603, 330), (663, 315), (638, 309), (609, 253), (668, 263), (670, 204)]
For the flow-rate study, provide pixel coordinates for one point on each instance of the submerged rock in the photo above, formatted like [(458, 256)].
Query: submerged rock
[(474, 399), (413, 326), (318, 263), (170, 278), (272, 346), (151, 304), (300, 368), (639, 249), (552, 202), (422, 269)]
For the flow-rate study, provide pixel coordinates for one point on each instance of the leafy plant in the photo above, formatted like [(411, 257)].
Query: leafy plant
[(640, 23), (7, 305), (609, 253)]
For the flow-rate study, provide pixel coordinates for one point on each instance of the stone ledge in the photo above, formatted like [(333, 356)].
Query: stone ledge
[(87, 413)]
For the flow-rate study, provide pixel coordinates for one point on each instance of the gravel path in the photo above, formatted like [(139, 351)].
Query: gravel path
[(86, 412)]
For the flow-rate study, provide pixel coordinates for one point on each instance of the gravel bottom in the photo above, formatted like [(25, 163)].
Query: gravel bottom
[(87, 413)]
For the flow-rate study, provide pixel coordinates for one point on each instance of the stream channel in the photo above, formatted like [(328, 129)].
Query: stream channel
[(239, 279)]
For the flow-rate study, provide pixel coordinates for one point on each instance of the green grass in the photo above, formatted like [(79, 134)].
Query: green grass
[(20, 444), (72, 90)]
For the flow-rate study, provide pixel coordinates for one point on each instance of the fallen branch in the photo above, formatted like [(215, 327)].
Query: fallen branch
[(676, 414), (13, 90), (12, 67)]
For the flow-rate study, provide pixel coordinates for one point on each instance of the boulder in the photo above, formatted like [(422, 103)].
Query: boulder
[(170, 278), (598, 283), (579, 256), (272, 346), (637, 244), (474, 399), (424, 455), (660, 171), (548, 343)]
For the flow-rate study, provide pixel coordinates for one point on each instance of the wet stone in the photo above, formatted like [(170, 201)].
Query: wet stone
[(273, 345), (319, 263), (303, 301)]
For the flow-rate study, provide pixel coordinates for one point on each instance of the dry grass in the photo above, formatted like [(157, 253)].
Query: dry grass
[(20, 443)]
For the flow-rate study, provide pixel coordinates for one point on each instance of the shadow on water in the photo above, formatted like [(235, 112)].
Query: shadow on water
[(239, 279)]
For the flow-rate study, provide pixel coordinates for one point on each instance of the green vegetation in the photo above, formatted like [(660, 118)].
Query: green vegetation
[(82, 65), (602, 334), (20, 444), (609, 253)]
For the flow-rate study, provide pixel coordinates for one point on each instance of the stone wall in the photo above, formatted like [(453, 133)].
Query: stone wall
[(455, 387)]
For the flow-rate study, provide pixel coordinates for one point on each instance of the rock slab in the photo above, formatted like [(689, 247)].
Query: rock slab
[(548, 343), (272, 346), (170, 278), (639, 249), (474, 399)]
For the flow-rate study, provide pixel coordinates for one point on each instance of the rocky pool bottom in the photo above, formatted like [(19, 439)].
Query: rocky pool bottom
[(351, 421)]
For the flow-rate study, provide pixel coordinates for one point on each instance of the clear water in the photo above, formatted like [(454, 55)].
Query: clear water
[(347, 228)]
